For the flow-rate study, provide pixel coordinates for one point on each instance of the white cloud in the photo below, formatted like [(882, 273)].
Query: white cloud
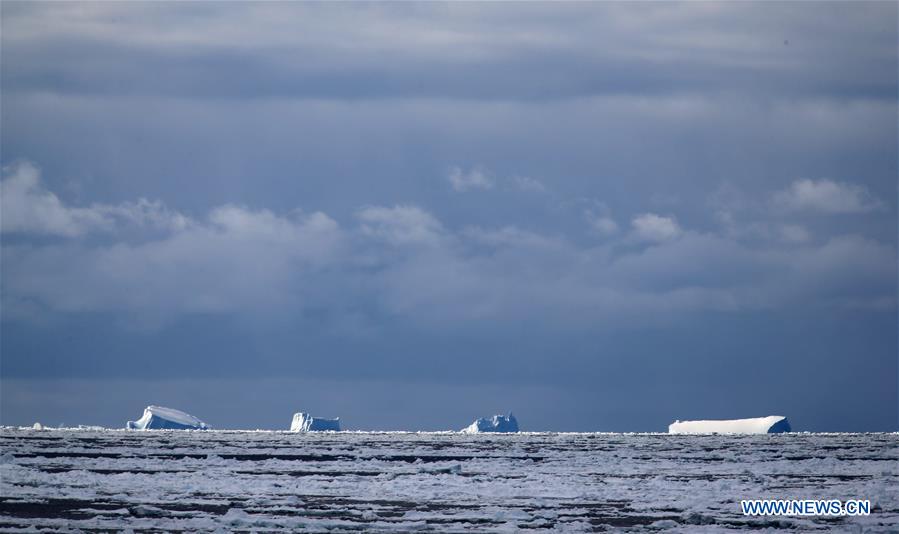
[(599, 218), (605, 225), (827, 196), (528, 184), (793, 233), (509, 236), (145, 213), (28, 208), (601, 224), (238, 260), (481, 178), (400, 224), (476, 178), (264, 224), (652, 227)]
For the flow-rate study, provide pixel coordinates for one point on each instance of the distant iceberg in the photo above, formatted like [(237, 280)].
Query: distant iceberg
[(497, 423), (160, 418), (773, 424), (304, 422)]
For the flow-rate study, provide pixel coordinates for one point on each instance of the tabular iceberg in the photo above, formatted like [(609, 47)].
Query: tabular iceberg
[(773, 424), (304, 422), (161, 418), (498, 423)]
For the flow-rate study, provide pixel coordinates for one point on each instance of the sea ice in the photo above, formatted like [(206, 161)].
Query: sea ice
[(773, 424), (159, 418), (497, 423), (304, 422)]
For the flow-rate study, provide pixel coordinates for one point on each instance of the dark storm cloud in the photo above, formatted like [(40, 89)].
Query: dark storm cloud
[(605, 204)]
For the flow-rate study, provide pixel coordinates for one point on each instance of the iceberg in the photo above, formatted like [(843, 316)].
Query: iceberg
[(161, 418), (773, 424), (497, 423), (304, 422)]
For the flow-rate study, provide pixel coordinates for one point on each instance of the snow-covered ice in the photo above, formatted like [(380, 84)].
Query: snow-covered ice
[(497, 423), (304, 422), (161, 418), (773, 424), (114, 480)]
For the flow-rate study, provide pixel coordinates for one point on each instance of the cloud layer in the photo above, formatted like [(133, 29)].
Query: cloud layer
[(407, 262), (639, 206), (827, 196), (28, 208)]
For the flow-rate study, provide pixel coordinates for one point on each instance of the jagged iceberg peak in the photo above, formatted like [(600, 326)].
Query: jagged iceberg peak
[(304, 422), (497, 423), (773, 424), (162, 418)]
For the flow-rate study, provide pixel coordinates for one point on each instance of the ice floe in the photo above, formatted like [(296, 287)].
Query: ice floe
[(411, 482)]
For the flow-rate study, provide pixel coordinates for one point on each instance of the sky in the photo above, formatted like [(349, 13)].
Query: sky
[(598, 216)]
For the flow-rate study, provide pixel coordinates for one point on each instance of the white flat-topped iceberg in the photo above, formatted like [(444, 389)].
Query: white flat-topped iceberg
[(304, 422), (497, 423), (161, 418), (773, 424)]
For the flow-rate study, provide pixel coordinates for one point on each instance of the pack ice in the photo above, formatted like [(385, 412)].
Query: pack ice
[(773, 424), (497, 423), (161, 418), (304, 422)]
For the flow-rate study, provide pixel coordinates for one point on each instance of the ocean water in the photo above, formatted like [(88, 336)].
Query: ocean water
[(351, 481)]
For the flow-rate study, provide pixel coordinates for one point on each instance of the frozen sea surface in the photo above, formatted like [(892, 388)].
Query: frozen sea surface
[(269, 481)]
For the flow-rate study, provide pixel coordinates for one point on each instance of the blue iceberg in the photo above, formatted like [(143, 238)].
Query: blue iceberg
[(773, 424), (304, 422), (161, 418), (497, 423)]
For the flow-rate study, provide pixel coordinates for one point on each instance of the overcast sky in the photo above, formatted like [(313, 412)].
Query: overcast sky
[(600, 216)]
